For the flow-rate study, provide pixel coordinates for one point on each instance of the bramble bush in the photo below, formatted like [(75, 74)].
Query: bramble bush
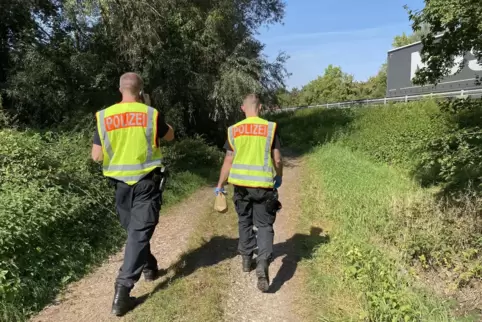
[(57, 213)]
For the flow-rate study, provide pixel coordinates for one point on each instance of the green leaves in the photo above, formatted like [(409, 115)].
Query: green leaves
[(454, 158), (460, 21), (197, 58), (383, 288), (404, 39), (57, 213), (334, 86), (46, 188)]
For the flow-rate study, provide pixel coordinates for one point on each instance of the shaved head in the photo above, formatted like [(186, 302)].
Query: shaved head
[(251, 105), (131, 83), (251, 101)]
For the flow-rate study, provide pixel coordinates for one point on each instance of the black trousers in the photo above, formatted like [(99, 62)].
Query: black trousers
[(250, 204), (138, 209)]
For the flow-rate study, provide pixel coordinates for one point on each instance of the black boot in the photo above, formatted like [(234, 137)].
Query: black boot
[(123, 302), (247, 262), (151, 275), (262, 274)]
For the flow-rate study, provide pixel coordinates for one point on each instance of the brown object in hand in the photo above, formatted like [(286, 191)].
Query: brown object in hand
[(220, 204)]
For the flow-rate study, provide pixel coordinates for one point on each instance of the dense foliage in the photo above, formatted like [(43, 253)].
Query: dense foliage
[(454, 158), (198, 58), (57, 215), (53, 219), (60, 61)]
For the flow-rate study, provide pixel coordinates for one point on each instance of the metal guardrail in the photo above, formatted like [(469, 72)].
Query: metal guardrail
[(384, 101)]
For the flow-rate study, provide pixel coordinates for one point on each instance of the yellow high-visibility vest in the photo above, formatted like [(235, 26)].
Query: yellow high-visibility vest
[(128, 133), (251, 141)]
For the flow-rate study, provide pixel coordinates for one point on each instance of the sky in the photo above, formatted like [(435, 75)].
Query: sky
[(352, 34)]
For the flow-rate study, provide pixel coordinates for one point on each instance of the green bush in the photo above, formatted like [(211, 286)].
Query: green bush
[(57, 213), (454, 158), (393, 133), (191, 163), (437, 142)]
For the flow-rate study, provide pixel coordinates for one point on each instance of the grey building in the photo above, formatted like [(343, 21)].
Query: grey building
[(403, 62)]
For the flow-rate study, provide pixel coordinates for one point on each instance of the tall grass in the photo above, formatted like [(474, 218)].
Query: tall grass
[(357, 275)]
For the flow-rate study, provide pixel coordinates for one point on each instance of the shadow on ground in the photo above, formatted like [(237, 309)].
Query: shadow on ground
[(213, 252), (221, 248), (295, 249)]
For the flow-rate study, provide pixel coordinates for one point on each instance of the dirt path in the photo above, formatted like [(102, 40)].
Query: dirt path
[(246, 302), (90, 299)]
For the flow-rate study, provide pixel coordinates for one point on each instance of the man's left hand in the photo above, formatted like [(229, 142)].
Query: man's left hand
[(219, 190), (277, 182)]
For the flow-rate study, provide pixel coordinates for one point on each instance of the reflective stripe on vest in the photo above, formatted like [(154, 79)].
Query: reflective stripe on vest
[(132, 167), (252, 175), (121, 121), (263, 168), (251, 178)]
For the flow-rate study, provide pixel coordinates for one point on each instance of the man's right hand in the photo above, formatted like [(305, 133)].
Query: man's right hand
[(170, 134), (218, 190)]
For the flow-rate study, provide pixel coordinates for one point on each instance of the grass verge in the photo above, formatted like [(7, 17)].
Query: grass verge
[(436, 227), (358, 275), (197, 283)]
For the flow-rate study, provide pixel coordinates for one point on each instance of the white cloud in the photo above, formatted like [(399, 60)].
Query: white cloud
[(367, 32)]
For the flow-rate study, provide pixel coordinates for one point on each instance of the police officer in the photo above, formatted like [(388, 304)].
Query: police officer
[(127, 141), (252, 155)]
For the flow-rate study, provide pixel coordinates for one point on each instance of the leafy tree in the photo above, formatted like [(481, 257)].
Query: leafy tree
[(287, 98), (417, 35), (284, 97), (20, 26), (459, 22), (198, 58), (403, 40), (375, 86), (333, 86), (209, 55)]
